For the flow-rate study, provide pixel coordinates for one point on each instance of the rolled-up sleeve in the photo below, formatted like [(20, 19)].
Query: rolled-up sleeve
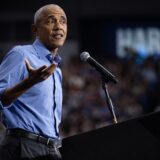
[(11, 71)]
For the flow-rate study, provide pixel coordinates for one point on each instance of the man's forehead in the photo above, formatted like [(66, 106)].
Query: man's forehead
[(43, 12), (51, 11)]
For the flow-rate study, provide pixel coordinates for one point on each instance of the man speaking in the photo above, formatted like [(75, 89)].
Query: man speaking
[(31, 90)]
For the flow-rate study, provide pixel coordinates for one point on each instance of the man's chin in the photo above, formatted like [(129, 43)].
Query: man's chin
[(54, 46), (57, 45)]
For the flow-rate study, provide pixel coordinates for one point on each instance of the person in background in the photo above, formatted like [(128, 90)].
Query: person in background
[(31, 90)]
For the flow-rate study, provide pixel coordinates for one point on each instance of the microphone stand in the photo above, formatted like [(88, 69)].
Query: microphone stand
[(108, 99)]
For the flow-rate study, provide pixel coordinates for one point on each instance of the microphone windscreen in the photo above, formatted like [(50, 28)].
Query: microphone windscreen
[(84, 56)]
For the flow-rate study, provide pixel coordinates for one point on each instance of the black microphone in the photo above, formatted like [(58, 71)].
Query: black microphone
[(105, 73)]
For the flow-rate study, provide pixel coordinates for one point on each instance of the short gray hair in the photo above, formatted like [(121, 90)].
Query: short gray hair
[(39, 12)]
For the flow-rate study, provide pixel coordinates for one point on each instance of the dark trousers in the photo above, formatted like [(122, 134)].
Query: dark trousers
[(18, 148)]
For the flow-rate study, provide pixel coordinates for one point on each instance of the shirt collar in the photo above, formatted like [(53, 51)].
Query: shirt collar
[(54, 59), (43, 52)]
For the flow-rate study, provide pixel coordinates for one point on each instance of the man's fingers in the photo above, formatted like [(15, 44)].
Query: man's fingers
[(43, 72), (49, 70), (29, 67), (42, 68), (52, 66)]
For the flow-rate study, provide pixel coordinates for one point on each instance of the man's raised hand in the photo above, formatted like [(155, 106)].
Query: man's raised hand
[(40, 74)]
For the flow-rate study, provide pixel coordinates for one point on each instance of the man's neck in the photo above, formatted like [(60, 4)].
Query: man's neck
[(54, 51)]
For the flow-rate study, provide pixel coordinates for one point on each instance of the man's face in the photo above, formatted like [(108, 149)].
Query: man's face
[(52, 27)]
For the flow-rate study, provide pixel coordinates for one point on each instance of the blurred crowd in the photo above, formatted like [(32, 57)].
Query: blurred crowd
[(136, 93), (84, 105)]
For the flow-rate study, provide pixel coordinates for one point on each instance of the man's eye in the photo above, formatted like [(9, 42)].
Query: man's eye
[(64, 21), (51, 20)]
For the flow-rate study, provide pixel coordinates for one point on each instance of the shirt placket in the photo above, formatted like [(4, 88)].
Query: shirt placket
[(50, 58)]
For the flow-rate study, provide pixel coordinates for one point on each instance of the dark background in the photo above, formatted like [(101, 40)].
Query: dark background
[(86, 19)]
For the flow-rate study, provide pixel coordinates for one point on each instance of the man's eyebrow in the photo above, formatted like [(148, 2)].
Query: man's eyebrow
[(64, 17), (52, 16)]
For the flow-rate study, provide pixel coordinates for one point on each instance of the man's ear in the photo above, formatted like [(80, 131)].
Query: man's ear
[(34, 29)]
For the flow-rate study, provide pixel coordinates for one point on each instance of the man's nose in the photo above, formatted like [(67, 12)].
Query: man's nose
[(57, 25)]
